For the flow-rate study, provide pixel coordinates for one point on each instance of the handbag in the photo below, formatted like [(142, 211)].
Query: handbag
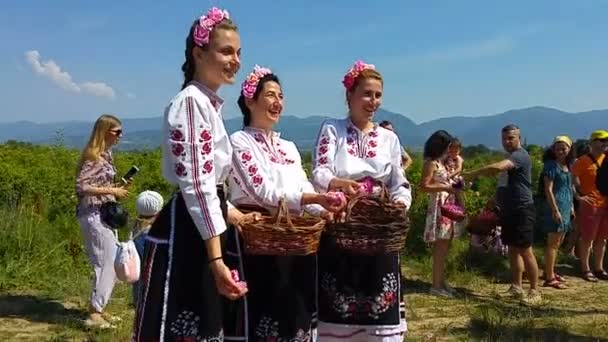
[(113, 214)]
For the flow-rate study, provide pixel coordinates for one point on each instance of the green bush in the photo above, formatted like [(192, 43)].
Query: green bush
[(40, 242)]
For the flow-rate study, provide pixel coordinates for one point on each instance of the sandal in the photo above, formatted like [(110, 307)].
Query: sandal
[(588, 276), (554, 283), (601, 274), (560, 277)]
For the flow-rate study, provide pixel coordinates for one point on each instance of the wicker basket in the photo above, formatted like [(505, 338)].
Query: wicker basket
[(282, 234), (373, 226)]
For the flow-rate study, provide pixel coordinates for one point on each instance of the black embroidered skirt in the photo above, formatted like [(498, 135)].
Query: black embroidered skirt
[(178, 298), (281, 302), (357, 289)]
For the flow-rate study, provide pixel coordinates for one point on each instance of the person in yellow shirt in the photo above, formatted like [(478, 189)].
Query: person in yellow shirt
[(592, 214)]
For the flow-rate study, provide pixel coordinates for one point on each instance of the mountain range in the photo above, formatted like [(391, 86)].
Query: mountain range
[(538, 125)]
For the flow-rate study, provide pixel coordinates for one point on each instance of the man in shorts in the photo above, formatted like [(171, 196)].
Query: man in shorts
[(592, 213), (518, 216)]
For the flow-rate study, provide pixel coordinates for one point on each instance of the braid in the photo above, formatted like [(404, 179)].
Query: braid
[(188, 67)]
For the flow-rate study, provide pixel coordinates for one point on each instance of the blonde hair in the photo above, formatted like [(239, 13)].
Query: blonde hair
[(97, 141), (142, 222), (365, 74)]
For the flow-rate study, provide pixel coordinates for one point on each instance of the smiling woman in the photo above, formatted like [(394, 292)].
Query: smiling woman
[(184, 272), (266, 168)]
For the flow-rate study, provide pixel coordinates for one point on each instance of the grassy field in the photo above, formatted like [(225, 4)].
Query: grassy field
[(45, 277)]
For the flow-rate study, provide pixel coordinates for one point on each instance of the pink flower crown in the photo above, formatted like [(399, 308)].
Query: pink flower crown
[(353, 73), (251, 83), (206, 23)]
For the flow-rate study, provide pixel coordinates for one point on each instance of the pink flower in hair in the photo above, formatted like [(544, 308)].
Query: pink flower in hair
[(353, 73), (251, 83), (206, 23)]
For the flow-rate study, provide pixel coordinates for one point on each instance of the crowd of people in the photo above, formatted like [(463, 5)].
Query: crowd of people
[(191, 245)]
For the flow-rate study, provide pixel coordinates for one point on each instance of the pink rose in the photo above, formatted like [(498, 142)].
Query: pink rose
[(252, 169), (235, 275), (216, 14), (367, 185), (338, 197), (249, 89), (207, 22), (201, 35)]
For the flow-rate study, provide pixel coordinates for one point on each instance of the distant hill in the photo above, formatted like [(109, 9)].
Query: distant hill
[(538, 124)]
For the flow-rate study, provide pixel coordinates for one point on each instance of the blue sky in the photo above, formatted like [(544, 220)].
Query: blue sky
[(438, 58)]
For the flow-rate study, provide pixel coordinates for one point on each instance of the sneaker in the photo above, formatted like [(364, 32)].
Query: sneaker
[(515, 291), (533, 298), (443, 293)]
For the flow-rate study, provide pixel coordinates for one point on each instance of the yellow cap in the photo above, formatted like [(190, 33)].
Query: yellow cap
[(563, 138), (599, 134)]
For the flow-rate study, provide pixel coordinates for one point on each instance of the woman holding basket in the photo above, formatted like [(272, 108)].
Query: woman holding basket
[(281, 304), (359, 295)]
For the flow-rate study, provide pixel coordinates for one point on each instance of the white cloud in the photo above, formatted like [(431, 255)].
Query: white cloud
[(98, 89), (52, 71)]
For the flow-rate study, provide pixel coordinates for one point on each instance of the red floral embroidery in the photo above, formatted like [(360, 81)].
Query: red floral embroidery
[(352, 151), (207, 167), (322, 161), (246, 157), (177, 135), (206, 148), (180, 170), (178, 150), (205, 135), (324, 141), (371, 154), (372, 143), (252, 169), (323, 149), (257, 180), (283, 153), (289, 161), (273, 159), (374, 133)]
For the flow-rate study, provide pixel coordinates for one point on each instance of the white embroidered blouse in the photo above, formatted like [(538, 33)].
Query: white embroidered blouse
[(344, 151), (196, 154), (266, 169)]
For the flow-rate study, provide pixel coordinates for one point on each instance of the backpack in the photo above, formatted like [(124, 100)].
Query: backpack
[(601, 179)]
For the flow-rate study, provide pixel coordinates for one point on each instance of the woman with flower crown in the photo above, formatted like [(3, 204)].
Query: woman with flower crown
[(281, 302), (359, 296), (184, 274)]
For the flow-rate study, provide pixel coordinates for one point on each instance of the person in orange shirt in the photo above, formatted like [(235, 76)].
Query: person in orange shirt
[(592, 214)]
